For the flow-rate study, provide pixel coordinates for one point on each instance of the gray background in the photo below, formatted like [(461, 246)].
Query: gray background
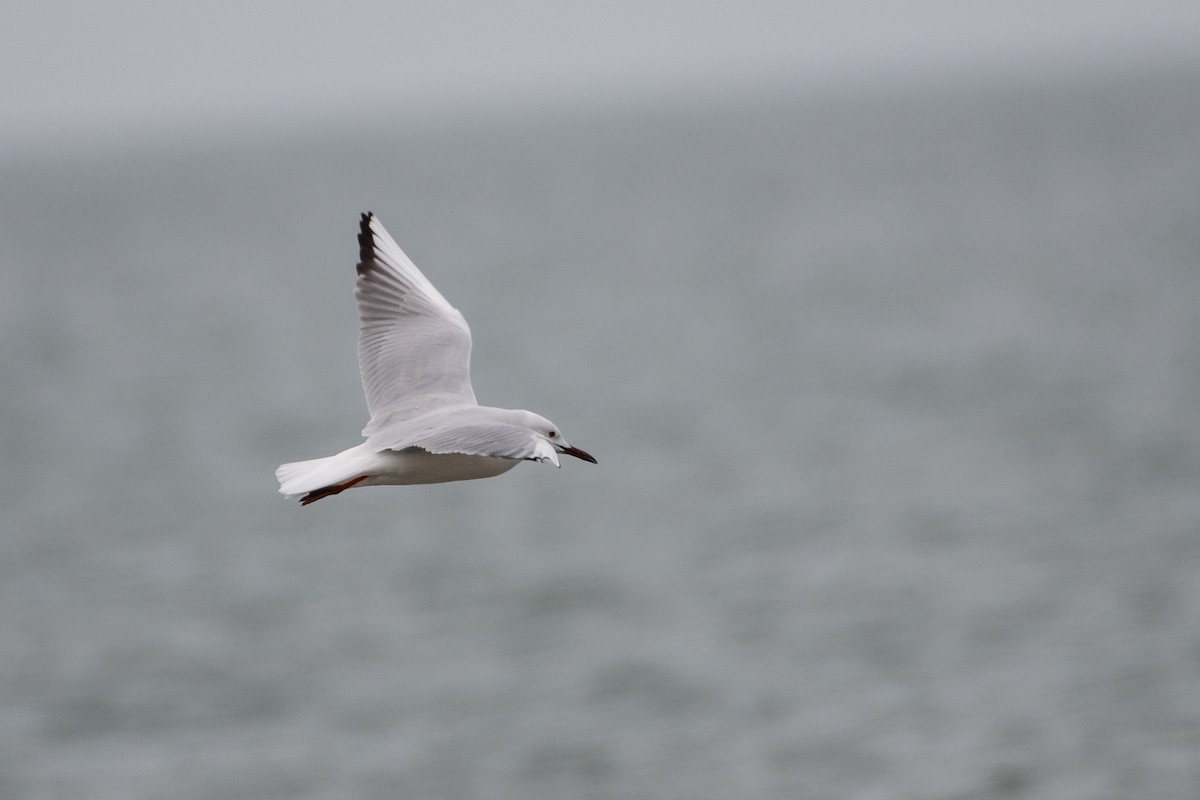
[(893, 384)]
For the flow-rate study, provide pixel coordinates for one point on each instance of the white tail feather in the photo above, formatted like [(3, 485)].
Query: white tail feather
[(300, 477)]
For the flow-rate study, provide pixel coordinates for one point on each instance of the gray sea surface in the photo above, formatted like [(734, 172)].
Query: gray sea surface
[(896, 398)]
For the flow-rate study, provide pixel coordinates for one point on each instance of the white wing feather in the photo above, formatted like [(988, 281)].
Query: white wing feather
[(466, 429), (489, 439), (414, 348)]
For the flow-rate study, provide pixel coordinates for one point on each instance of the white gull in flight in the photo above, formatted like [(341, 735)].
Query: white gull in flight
[(414, 352)]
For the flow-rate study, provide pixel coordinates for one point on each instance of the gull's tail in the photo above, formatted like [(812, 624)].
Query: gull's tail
[(321, 477)]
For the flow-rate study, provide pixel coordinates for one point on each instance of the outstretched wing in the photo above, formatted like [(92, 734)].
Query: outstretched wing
[(469, 430), (414, 348)]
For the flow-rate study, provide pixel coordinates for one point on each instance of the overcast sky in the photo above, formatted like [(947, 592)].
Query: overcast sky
[(79, 73)]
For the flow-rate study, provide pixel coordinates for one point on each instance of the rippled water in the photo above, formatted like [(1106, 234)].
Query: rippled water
[(895, 401)]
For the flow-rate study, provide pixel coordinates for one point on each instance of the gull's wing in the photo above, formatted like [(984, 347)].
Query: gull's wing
[(414, 348), (470, 430), (498, 440)]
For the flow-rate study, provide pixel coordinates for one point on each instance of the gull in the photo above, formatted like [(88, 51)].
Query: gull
[(414, 352)]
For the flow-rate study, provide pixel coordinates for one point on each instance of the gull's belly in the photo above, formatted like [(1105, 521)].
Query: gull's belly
[(414, 465)]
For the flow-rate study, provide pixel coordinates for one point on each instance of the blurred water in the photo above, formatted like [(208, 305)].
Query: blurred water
[(895, 401)]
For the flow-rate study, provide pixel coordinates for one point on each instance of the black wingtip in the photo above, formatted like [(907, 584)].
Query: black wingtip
[(366, 243)]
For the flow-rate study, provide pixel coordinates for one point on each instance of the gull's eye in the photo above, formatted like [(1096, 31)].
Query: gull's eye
[(553, 434)]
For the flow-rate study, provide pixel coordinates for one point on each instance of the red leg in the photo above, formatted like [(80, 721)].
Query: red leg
[(337, 488)]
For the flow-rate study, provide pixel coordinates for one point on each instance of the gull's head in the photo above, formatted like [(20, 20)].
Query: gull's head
[(551, 441)]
